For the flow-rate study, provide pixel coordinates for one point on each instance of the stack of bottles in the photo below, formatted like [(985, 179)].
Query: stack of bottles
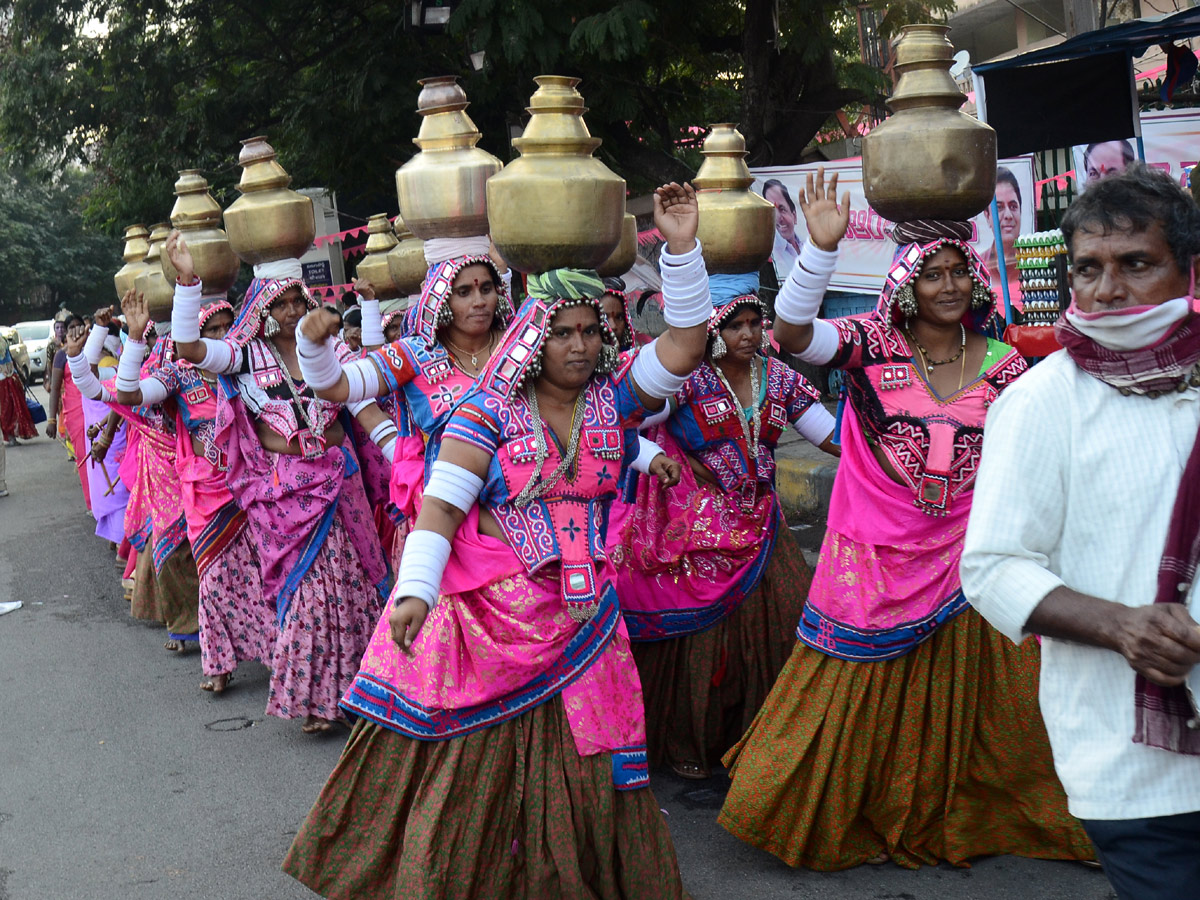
[(1037, 262)]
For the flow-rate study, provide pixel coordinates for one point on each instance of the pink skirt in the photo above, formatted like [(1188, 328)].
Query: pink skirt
[(237, 621), (328, 627)]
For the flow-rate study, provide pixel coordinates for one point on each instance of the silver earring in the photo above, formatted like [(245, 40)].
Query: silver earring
[(271, 327), (718, 347), (608, 359), (765, 343), (906, 300), (980, 296)]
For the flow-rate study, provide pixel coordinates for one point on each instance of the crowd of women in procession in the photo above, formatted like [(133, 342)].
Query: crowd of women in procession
[(592, 572)]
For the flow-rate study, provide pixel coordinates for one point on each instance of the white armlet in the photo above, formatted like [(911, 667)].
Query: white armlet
[(153, 391), (362, 379), (824, 343), (318, 362), (506, 276), (383, 436), (421, 566), (816, 424), (130, 366), (372, 324), (652, 376), (457, 486), (85, 379), (686, 301), (800, 297), (185, 313), (93, 347), (219, 356), (647, 451), (657, 418)]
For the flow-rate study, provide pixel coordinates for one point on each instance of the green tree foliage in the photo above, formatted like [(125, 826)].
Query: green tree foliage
[(137, 89), (47, 257)]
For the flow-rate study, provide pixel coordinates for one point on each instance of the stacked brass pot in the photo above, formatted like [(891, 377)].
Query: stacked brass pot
[(150, 282), (268, 222), (737, 226), (134, 255), (406, 261), (556, 205), (198, 218), (381, 240), (928, 160)]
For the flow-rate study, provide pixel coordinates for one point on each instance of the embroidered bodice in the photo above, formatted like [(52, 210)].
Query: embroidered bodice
[(263, 385), (707, 426), (567, 525), (196, 400), (933, 443)]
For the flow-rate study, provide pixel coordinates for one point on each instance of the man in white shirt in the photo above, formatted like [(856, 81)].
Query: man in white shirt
[(1085, 529)]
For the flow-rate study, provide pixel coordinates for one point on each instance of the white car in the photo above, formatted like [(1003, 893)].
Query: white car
[(36, 336)]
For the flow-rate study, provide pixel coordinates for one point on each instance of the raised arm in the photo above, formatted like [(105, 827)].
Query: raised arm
[(800, 296), (454, 485), (220, 357), (372, 318), (329, 378), (132, 390)]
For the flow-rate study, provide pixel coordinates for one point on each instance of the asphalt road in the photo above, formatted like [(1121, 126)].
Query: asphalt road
[(120, 779)]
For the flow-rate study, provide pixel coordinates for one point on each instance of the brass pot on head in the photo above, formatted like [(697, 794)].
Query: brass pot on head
[(374, 266), (269, 221), (737, 226), (406, 261), (441, 189), (623, 258), (150, 282), (928, 160), (134, 254), (198, 218), (556, 205)]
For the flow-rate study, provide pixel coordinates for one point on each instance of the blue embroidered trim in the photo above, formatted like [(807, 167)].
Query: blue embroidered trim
[(380, 702), (315, 541), (660, 625), (140, 537), (194, 636), (630, 768), (836, 639), (168, 542)]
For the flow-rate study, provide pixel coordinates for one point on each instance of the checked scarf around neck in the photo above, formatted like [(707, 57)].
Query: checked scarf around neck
[(1162, 715)]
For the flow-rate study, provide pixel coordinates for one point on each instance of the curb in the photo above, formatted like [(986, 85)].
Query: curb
[(805, 487)]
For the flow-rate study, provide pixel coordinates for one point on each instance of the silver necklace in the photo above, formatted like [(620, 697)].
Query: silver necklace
[(750, 430), (297, 397), (537, 486)]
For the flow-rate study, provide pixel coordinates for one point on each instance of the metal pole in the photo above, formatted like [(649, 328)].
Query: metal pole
[(1000, 261)]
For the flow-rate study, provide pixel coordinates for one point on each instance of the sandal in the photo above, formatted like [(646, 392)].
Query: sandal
[(691, 771)]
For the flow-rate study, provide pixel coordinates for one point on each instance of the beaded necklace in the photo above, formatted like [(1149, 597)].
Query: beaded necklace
[(297, 397), (537, 486), (751, 430)]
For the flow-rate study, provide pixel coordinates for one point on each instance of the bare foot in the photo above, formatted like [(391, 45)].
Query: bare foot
[(217, 683), (315, 725), (879, 859), (691, 771), (174, 646)]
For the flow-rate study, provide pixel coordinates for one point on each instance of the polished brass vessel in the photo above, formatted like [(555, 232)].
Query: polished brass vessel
[(269, 221), (198, 218), (737, 226), (406, 261), (150, 282), (622, 259), (441, 189), (556, 205), (928, 160), (134, 254), (374, 266)]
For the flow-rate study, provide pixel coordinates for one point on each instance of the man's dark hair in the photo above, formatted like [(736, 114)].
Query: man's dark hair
[(776, 183), (1126, 151), (1005, 174), (1134, 200)]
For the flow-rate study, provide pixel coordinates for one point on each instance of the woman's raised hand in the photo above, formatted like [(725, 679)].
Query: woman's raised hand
[(677, 215), (320, 324), (364, 288), (827, 221), (406, 620), (103, 317), (137, 314), (180, 256), (76, 337)]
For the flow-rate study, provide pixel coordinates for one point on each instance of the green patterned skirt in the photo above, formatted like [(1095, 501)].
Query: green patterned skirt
[(512, 811), (940, 754)]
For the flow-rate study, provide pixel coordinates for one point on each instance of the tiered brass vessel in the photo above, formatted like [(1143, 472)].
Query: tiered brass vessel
[(150, 282), (556, 205), (406, 261), (737, 226), (198, 218), (269, 221), (622, 259), (928, 160), (442, 188), (134, 254), (374, 266)]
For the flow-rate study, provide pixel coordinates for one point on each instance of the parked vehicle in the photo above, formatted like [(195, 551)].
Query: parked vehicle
[(36, 336), (20, 353)]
